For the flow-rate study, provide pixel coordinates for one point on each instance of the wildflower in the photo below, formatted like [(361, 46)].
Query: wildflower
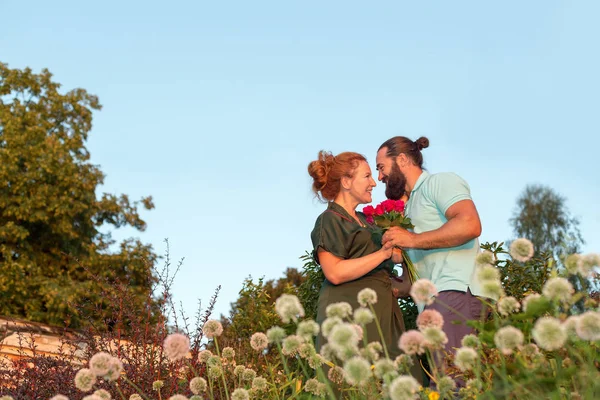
[(549, 333), (176, 346), (275, 335), (57, 397), (404, 387), (423, 291), (228, 353), (359, 330), (434, 338), (363, 316), (508, 338), (341, 310), (411, 342), (367, 297), (328, 325), (248, 375), (357, 371), (558, 289), (88, 397), (486, 257), (343, 338), (470, 340), (85, 379), (327, 351), (213, 361), (572, 263), (465, 358), (103, 394), (135, 396), (198, 385), (238, 370), (259, 341), (430, 319), (529, 350), (194, 397), (488, 273), (307, 329), (215, 372), (336, 375), (507, 305), (588, 263), (492, 289), (521, 250), (212, 328), (315, 361), (384, 367), (315, 387), (433, 396), (99, 363), (259, 384), (115, 368), (306, 350), (204, 355), (532, 301), (240, 394), (157, 385), (289, 308), (446, 385), (403, 363), (291, 344), (178, 397), (588, 325), (373, 350)]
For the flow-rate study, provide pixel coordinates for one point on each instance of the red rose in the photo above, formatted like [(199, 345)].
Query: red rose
[(368, 211), (379, 210), (388, 205), (370, 219), (399, 206)]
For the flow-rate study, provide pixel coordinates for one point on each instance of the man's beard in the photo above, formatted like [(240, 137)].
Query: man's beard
[(395, 183)]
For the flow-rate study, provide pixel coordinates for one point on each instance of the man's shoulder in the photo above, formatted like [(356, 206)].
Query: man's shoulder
[(444, 178)]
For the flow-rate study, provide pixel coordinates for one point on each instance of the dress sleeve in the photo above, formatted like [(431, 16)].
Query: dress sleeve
[(447, 189), (328, 235)]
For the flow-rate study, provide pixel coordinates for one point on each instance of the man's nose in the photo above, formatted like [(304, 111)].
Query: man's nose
[(380, 177)]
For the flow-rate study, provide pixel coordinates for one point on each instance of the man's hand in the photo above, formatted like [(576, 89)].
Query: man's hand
[(399, 237)]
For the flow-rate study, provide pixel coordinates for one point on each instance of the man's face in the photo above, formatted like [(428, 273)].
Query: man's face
[(390, 174)]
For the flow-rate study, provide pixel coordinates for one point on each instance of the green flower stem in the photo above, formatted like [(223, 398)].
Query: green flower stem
[(189, 364), (285, 366), (119, 390), (323, 378), (223, 370), (210, 387), (387, 355), (136, 387)]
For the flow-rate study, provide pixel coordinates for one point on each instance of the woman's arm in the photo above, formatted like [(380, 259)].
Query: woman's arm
[(337, 270)]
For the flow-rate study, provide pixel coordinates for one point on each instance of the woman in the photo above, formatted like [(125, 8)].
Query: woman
[(349, 258)]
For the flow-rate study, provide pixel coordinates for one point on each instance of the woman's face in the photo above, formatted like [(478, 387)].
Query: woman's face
[(362, 183)]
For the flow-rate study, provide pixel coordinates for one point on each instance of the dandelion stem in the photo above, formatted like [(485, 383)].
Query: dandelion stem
[(223, 372), (385, 350), (136, 387)]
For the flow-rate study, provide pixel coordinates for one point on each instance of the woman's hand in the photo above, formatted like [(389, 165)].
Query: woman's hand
[(387, 249)]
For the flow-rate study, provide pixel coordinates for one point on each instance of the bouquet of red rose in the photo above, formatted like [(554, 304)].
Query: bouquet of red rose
[(382, 217)]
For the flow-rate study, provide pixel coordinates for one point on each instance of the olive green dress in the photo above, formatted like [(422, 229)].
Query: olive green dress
[(338, 233)]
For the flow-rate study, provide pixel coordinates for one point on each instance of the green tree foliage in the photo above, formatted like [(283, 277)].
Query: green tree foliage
[(541, 215), (56, 265)]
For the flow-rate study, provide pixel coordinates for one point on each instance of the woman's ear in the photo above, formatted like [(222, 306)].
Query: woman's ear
[(346, 182)]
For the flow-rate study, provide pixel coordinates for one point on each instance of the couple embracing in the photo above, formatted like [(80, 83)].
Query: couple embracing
[(442, 246)]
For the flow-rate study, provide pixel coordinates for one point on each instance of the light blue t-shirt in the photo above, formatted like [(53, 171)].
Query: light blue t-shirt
[(451, 268)]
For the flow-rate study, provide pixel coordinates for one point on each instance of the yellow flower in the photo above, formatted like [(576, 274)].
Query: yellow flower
[(434, 396)]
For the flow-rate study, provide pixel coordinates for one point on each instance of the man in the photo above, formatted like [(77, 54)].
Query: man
[(444, 242)]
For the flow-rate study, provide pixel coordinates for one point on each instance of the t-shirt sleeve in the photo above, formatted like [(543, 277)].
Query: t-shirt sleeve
[(447, 189), (328, 235)]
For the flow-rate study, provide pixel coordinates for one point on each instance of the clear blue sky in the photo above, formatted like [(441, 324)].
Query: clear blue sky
[(216, 108)]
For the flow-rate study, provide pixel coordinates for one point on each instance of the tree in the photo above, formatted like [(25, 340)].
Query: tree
[(56, 265), (542, 216)]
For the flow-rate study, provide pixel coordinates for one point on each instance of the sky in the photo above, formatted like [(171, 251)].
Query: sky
[(215, 109)]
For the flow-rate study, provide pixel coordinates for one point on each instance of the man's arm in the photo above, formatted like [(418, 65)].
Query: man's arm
[(463, 225)]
